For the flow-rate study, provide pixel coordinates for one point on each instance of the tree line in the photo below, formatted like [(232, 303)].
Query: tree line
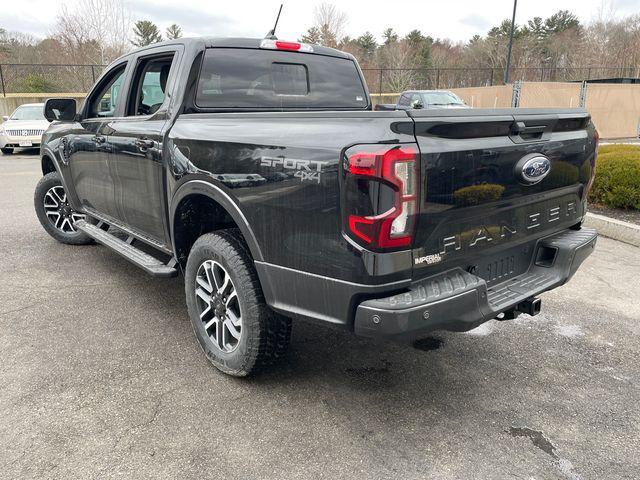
[(560, 41), (93, 32), (98, 31)]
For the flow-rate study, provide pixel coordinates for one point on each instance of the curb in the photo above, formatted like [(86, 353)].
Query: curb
[(610, 227)]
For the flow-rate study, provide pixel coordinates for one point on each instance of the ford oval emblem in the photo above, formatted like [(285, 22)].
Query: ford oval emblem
[(533, 168)]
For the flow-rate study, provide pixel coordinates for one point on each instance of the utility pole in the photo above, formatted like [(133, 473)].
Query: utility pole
[(513, 26)]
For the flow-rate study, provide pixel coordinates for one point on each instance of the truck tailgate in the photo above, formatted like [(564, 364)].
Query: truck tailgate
[(492, 182)]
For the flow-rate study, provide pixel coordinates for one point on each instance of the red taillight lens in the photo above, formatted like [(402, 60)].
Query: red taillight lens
[(396, 168), (287, 45), (282, 45), (596, 139)]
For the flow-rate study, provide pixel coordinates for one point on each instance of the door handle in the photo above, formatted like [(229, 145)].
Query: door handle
[(98, 139), (144, 143)]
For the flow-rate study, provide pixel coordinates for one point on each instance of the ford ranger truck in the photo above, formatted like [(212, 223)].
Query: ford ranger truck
[(258, 170)]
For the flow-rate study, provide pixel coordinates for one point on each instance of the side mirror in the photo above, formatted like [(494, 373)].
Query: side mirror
[(61, 109), (5, 118), (417, 105)]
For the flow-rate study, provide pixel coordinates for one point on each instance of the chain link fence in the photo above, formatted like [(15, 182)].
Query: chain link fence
[(52, 78), (385, 82), (47, 78)]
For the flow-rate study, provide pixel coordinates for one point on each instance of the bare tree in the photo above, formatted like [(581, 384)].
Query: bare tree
[(400, 58), (328, 26), (95, 31)]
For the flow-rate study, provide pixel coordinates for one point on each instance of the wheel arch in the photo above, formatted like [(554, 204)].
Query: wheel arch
[(48, 163), (201, 189)]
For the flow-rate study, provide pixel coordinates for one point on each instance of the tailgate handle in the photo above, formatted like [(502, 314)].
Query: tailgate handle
[(524, 133), (519, 128)]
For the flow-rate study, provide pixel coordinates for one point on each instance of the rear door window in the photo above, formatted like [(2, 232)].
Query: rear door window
[(234, 78), (149, 85)]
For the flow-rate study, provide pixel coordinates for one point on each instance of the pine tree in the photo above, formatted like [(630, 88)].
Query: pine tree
[(146, 33), (173, 32), (367, 43), (389, 36)]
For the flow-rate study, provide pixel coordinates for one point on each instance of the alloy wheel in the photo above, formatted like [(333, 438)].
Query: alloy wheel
[(218, 305), (58, 210)]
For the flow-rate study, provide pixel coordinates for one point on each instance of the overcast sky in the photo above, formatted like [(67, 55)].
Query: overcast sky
[(454, 19)]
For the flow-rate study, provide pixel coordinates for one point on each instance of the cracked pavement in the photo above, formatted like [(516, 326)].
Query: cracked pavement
[(101, 377)]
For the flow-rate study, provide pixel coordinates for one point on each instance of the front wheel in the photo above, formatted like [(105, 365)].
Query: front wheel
[(56, 216), (236, 329), (7, 150)]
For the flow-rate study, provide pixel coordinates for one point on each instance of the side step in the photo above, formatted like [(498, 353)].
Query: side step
[(148, 263)]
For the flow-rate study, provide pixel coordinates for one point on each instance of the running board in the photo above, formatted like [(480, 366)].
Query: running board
[(148, 263)]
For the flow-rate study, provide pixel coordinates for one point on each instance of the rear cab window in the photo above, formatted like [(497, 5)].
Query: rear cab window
[(246, 79)]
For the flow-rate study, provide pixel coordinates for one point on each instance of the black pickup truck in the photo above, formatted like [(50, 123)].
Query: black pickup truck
[(258, 169)]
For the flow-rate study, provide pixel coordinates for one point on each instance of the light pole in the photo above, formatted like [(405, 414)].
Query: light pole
[(513, 26)]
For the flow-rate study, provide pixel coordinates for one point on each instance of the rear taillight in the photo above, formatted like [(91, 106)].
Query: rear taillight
[(282, 45), (386, 183), (596, 139)]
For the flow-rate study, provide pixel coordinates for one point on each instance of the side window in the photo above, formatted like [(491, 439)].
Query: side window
[(415, 98), (149, 86), (104, 101), (404, 100)]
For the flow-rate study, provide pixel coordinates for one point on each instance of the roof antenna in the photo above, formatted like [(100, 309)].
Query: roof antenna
[(271, 35)]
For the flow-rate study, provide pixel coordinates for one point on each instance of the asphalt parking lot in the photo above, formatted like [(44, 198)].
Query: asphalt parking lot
[(101, 377)]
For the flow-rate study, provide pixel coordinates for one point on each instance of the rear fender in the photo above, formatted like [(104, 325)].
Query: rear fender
[(202, 187)]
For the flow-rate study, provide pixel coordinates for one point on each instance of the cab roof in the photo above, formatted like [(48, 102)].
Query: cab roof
[(211, 42)]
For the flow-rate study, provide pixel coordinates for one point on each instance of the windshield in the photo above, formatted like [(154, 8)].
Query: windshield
[(28, 113), (441, 98)]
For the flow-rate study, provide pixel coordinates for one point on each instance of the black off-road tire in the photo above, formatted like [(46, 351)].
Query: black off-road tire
[(47, 182), (265, 335), (7, 150)]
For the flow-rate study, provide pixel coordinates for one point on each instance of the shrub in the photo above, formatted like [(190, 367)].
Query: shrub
[(478, 194), (34, 83), (617, 182)]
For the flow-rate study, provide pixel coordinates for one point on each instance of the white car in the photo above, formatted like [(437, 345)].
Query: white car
[(24, 128)]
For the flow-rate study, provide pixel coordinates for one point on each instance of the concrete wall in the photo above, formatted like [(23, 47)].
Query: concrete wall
[(497, 96), (615, 108), (13, 100)]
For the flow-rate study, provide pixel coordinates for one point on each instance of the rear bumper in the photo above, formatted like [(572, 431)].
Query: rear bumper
[(459, 301)]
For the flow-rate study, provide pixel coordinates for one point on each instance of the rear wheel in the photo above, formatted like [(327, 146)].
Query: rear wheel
[(237, 331), (56, 216), (7, 150)]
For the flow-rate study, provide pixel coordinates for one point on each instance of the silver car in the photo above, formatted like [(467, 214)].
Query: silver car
[(23, 128)]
